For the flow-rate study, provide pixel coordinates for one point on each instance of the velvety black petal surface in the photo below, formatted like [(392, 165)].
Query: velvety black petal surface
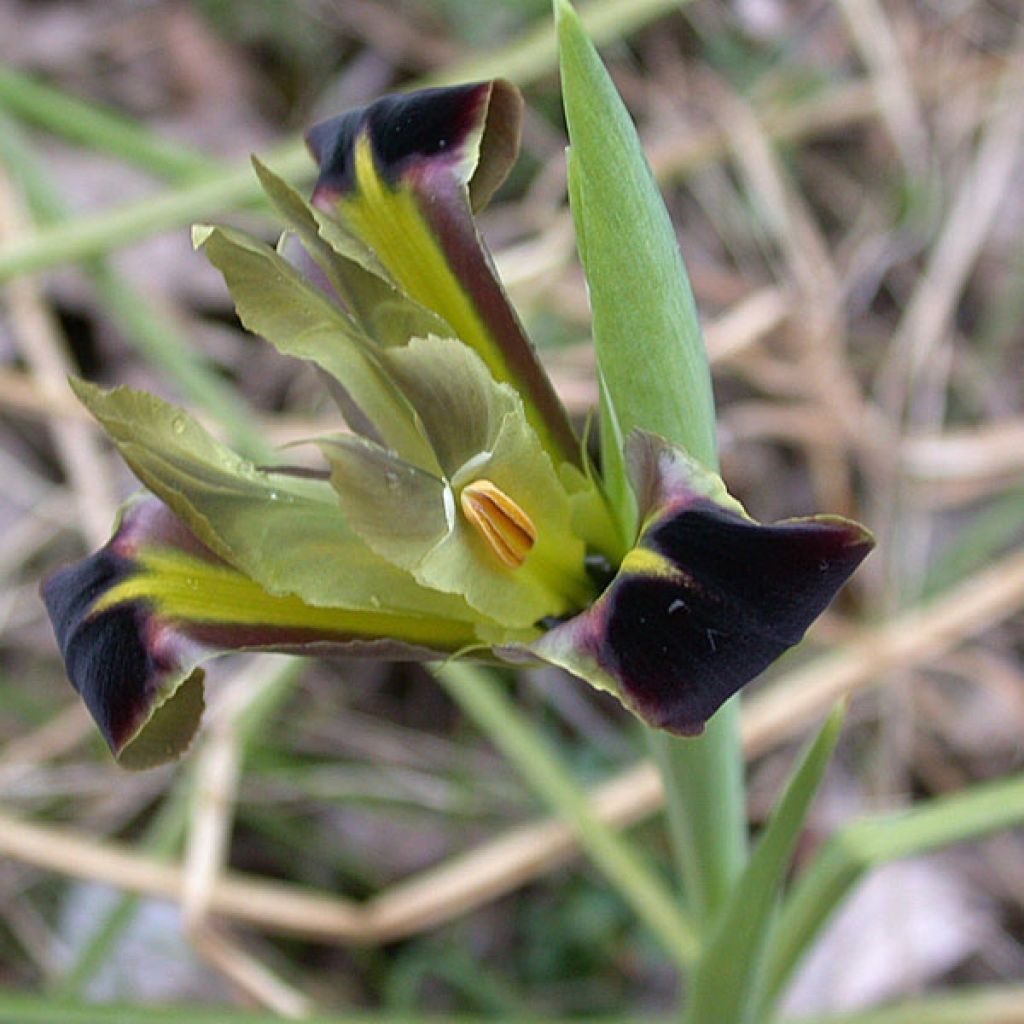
[(402, 129), (120, 660), (740, 595), (707, 598)]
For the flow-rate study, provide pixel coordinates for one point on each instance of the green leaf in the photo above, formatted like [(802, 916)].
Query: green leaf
[(862, 845), (725, 983), (653, 373), (646, 333)]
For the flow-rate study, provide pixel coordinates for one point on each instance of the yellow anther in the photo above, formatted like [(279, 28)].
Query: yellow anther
[(507, 530)]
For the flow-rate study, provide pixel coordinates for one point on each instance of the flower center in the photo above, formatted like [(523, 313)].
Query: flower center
[(506, 529)]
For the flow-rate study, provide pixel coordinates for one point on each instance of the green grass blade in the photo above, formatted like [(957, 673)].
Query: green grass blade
[(156, 338), (982, 1004), (858, 847), (646, 332), (723, 987), (481, 698), (92, 234), (161, 838), (980, 542), (522, 61), (99, 129)]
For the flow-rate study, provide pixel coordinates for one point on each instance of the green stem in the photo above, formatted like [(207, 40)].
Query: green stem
[(479, 695), (705, 806)]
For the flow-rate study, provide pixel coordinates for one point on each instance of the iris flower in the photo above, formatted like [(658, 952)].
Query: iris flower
[(458, 516)]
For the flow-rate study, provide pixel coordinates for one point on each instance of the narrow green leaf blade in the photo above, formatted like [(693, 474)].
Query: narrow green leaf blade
[(862, 845), (646, 332), (724, 986), (654, 374)]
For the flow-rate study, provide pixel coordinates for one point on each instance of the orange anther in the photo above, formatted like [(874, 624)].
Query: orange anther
[(506, 529)]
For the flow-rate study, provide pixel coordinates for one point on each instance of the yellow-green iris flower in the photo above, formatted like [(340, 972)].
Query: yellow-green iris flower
[(459, 516)]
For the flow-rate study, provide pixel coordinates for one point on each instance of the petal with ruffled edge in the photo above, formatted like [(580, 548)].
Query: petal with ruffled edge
[(275, 301), (707, 598), (404, 176), (136, 619)]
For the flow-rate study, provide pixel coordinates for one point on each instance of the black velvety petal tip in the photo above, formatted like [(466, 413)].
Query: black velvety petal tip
[(737, 596), (401, 128), (128, 668), (417, 130)]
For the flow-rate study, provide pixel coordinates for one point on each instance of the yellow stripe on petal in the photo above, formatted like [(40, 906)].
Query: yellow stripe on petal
[(646, 562), (391, 221), (189, 590)]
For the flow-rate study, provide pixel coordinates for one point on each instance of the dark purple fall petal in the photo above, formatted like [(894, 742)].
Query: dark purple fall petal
[(707, 600), (744, 594), (122, 660)]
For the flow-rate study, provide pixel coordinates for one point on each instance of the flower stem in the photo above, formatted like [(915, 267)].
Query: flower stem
[(705, 807)]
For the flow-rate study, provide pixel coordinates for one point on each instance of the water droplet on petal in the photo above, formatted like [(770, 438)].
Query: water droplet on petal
[(375, 600), (178, 424)]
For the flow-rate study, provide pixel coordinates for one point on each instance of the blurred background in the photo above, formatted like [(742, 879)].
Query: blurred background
[(846, 179)]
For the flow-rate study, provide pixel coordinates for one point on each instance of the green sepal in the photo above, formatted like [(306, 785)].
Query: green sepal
[(287, 534)]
